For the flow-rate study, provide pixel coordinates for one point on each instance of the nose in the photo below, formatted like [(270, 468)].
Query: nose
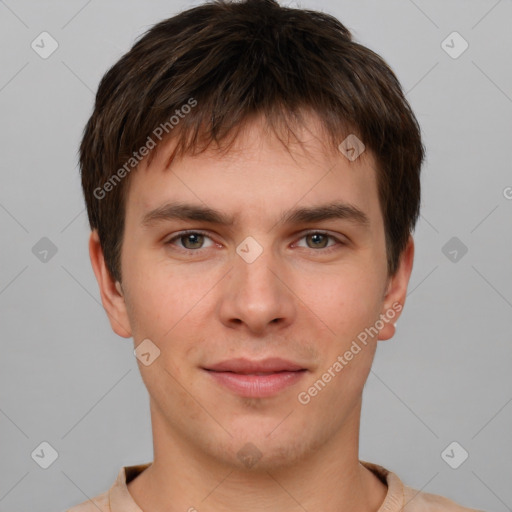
[(257, 296)]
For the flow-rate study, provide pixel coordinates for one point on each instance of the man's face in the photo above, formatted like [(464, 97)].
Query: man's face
[(299, 289)]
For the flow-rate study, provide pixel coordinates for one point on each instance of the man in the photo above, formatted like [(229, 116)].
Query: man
[(252, 180)]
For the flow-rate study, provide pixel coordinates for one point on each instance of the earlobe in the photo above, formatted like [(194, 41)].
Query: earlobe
[(112, 296), (388, 331), (394, 299)]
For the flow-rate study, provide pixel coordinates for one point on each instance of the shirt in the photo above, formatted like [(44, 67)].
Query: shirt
[(399, 498)]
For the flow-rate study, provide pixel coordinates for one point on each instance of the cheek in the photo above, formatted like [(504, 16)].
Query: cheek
[(171, 309), (345, 300), (157, 295)]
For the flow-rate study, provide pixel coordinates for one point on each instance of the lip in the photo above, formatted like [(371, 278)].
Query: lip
[(256, 379), (242, 365)]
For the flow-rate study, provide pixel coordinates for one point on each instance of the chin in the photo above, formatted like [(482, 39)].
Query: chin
[(261, 447)]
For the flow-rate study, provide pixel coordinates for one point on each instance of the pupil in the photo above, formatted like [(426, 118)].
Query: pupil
[(318, 238), (193, 239)]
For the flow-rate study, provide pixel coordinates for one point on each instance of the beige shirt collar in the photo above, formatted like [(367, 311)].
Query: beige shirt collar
[(120, 499)]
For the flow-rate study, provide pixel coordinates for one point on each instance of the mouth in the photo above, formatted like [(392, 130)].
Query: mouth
[(256, 379)]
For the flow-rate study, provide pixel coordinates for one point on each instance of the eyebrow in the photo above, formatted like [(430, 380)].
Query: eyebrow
[(305, 215)]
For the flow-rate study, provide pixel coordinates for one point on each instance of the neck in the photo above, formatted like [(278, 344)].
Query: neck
[(330, 478)]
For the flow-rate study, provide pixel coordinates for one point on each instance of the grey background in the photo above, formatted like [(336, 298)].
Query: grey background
[(67, 379)]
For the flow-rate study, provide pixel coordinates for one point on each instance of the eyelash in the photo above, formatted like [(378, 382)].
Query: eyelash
[(314, 232)]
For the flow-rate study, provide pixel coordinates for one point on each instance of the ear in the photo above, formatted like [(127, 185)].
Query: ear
[(110, 290), (394, 298)]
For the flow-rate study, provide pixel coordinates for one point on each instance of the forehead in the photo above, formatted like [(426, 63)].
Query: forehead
[(258, 175)]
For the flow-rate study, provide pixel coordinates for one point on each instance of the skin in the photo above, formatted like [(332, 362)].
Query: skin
[(305, 299)]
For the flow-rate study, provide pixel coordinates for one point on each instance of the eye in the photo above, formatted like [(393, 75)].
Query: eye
[(320, 240), (191, 240), (195, 240)]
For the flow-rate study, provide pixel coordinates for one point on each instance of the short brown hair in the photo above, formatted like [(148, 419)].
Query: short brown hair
[(236, 60)]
